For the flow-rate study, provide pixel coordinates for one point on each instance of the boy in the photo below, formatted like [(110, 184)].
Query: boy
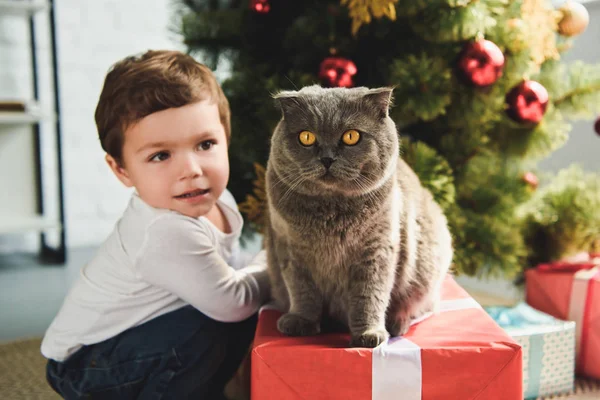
[(159, 312)]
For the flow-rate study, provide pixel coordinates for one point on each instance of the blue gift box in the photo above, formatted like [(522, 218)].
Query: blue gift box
[(548, 348)]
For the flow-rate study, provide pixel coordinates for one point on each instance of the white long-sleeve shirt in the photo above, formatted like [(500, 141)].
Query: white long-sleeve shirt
[(156, 261)]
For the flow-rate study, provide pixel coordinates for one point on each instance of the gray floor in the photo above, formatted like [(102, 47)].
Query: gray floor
[(32, 293)]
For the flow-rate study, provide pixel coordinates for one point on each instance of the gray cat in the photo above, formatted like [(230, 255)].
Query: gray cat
[(351, 233)]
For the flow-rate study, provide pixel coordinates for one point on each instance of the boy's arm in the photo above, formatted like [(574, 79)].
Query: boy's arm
[(179, 257)]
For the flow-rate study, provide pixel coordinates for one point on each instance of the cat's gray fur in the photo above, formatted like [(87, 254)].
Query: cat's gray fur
[(362, 241)]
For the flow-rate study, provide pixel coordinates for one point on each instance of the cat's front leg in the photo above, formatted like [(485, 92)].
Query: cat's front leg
[(306, 302), (371, 281)]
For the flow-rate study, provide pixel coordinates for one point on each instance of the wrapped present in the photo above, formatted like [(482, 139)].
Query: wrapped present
[(457, 353), (548, 348), (570, 290)]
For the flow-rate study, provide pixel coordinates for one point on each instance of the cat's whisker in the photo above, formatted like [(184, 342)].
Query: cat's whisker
[(290, 186), (295, 183), (307, 176), (290, 191), (292, 82), (282, 178), (373, 197), (365, 183)]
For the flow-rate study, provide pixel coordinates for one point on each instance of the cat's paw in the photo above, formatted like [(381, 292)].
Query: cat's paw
[(295, 325), (370, 338), (397, 326)]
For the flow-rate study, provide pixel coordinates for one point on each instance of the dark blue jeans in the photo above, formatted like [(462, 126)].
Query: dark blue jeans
[(179, 355)]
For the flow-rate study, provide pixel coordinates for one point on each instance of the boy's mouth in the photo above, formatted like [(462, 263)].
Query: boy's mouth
[(193, 193)]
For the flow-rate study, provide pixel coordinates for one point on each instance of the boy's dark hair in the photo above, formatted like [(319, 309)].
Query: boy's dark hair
[(138, 86)]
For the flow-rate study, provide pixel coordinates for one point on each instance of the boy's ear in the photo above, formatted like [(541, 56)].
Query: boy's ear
[(118, 170)]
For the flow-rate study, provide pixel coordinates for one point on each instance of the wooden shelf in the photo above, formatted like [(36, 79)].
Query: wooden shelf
[(22, 7), (9, 224), (21, 118), (23, 152)]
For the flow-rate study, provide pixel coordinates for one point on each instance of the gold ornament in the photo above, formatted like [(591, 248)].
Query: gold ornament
[(542, 24), (351, 137), (361, 11), (575, 18), (255, 206)]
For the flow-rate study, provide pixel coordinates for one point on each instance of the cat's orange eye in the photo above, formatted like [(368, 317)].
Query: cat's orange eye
[(307, 138), (351, 137)]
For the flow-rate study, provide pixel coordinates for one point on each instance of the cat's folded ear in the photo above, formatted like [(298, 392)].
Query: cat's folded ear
[(286, 100), (380, 100)]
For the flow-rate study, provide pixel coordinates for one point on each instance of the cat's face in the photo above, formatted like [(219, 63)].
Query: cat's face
[(339, 140)]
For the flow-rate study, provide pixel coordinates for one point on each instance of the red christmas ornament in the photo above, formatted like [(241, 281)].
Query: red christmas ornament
[(597, 126), (531, 179), (337, 72), (260, 6), (481, 63), (527, 102)]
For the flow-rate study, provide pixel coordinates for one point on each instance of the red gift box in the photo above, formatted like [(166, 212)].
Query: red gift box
[(457, 353), (570, 290)]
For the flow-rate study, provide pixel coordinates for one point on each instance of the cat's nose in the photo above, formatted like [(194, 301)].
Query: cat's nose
[(327, 161)]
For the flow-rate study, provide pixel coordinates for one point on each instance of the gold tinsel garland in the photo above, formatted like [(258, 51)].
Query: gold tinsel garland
[(361, 11), (542, 23), (255, 205)]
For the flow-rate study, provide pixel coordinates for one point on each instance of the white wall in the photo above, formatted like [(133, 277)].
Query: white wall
[(583, 145), (93, 34)]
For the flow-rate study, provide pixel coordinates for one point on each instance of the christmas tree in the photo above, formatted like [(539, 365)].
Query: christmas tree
[(480, 97)]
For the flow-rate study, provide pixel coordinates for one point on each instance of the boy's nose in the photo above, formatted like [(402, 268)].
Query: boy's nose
[(191, 168)]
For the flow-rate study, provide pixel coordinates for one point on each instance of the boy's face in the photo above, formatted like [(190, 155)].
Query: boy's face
[(177, 159)]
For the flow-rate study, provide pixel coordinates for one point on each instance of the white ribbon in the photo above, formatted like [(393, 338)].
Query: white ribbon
[(397, 369), (579, 292)]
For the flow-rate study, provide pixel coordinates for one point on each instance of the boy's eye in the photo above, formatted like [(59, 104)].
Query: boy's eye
[(206, 145), (162, 156)]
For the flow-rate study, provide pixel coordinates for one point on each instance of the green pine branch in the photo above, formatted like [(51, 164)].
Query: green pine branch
[(410, 8), (562, 218), (422, 87), (575, 88), (212, 28), (432, 169), (443, 24)]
